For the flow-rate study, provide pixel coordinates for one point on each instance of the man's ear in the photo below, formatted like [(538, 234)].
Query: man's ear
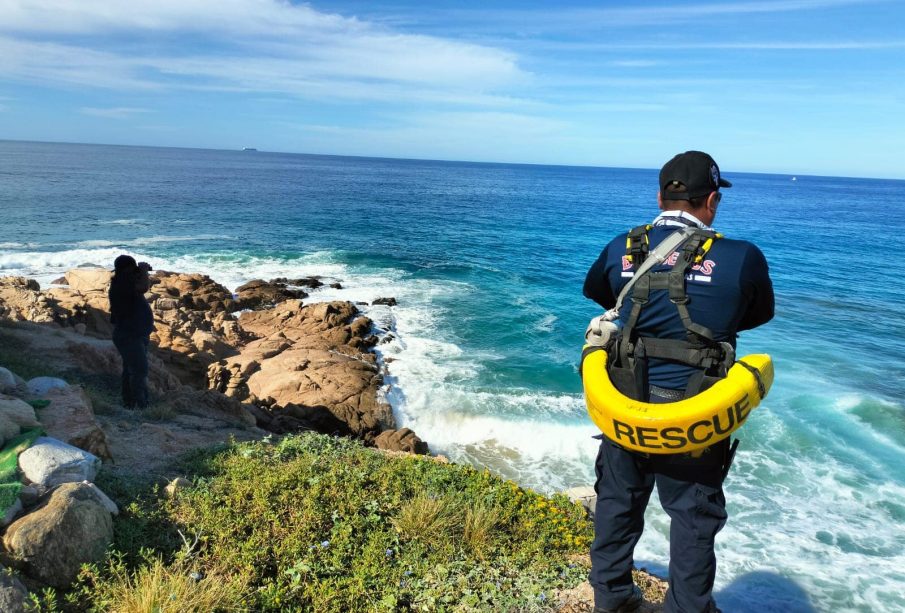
[(713, 201), (660, 200)]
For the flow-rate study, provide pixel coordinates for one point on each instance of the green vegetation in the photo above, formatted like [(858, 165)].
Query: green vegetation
[(321, 523)]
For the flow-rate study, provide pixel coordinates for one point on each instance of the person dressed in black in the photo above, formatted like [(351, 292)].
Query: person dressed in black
[(133, 323), (727, 291)]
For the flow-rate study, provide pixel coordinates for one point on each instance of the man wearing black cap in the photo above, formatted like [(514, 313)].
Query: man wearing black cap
[(725, 293)]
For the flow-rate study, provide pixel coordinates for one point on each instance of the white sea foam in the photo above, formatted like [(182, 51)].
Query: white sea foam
[(123, 222), (546, 323), (146, 241)]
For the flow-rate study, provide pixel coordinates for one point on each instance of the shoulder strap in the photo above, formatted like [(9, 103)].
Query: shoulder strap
[(655, 258)]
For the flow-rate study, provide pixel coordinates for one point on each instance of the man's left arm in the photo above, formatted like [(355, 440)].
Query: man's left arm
[(757, 287)]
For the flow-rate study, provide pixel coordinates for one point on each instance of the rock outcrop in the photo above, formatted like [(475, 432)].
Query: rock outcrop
[(284, 366), (258, 293), (311, 358), (400, 440), (72, 527)]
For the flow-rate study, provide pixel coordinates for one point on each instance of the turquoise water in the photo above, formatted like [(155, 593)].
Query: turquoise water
[(487, 263)]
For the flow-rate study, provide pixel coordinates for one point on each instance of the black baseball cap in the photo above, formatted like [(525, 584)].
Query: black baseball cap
[(696, 171)]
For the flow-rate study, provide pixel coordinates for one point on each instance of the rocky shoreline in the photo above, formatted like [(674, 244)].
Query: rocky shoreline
[(224, 367), (259, 357)]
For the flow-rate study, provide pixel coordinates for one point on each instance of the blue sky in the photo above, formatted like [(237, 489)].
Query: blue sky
[(790, 86)]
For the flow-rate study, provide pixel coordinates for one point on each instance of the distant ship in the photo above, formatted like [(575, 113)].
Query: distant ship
[(793, 178), (248, 149)]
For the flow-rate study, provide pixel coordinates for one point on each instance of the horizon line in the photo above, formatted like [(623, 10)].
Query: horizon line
[(253, 150)]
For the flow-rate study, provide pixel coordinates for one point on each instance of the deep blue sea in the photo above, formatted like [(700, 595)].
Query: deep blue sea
[(487, 263)]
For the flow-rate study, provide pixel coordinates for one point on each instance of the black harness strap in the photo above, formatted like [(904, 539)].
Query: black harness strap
[(628, 368), (638, 245), (761, 388)]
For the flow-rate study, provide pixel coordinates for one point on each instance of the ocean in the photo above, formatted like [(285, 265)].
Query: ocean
[(487, 263)]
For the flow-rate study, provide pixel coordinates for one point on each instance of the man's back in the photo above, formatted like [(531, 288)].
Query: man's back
[(729, 291)]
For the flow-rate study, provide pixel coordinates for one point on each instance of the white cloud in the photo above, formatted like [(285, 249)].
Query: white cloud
[(117, 112), (267, 45), (634, 63)]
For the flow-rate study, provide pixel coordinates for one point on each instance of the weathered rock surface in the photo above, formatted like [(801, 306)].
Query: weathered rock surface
[(174, 486), (22, 300), (70, 529), (70, 418), (89, 279), (309, 282), (385, 301), (13, 595), (193, 327), (308, 356), (192, 291), (50, 462), (262, 294), (15, 415), (400, 440), (585, 496), (39, 386), (211, 404)]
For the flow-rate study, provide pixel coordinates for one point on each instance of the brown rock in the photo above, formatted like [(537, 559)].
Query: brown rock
[(209, 403), (70, 418), (194, 291), (89, 279), (385, 301), (177, 484), (22, 300), (309, 282), (258, 294), (70, 529), (400, 440)]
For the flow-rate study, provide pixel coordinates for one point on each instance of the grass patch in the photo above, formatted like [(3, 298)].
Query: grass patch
[(15, 356), (324, 524)]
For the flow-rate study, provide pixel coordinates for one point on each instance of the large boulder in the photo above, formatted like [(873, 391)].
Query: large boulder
[(192, 291), (39, 386), (15, 415), (51, 462), (89, 279), (258, 293), (70, 418), (12, 384), (70, 529), (400, 440), (13, 595)]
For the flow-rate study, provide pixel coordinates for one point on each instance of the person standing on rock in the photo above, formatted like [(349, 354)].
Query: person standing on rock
[(133, 323), (697, 317)]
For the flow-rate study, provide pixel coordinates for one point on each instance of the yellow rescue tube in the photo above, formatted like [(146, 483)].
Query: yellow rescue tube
[(675, 427)]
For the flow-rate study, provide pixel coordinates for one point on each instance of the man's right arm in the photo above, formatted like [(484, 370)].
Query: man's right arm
[(597, 284)]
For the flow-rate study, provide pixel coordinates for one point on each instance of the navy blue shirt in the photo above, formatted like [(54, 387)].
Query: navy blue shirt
[(131, 314), (729, 291)]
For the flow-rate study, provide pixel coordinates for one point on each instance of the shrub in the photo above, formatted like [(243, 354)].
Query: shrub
[(320, 523)]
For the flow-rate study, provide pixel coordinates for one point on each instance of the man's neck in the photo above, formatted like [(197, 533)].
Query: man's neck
[(679, 219)]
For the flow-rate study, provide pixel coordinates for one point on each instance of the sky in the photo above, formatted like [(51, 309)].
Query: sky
[(785, 86)]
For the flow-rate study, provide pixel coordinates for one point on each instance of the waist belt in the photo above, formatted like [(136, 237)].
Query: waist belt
[(662, 392)]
